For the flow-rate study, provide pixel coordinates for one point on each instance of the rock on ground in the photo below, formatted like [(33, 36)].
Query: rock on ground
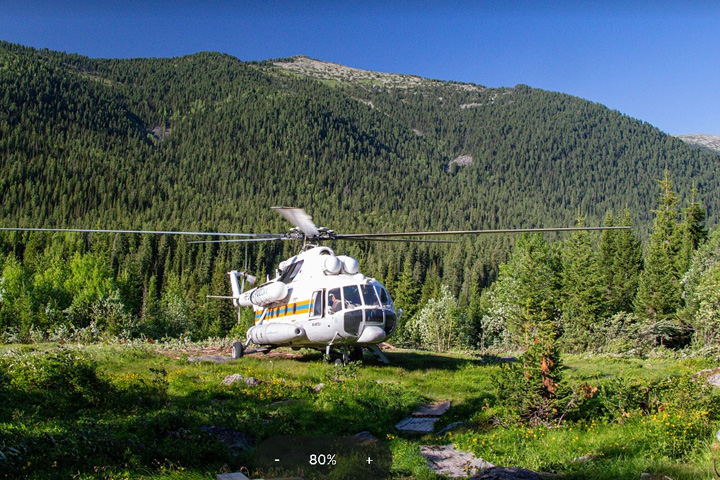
[(232, 438), (365, 436), (507, 473), (654, 476), (714, 380), (230, 379), (446, 460)]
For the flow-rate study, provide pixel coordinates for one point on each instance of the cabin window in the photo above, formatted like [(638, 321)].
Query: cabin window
[(385, 299), (369, 295), (334, 301), (316, 304), (352, 296), (291, 272)]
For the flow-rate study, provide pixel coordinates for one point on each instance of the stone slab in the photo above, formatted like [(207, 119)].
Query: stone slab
[(231, 476), (417, 425), (447, 460), (432, 409), (451, 426)]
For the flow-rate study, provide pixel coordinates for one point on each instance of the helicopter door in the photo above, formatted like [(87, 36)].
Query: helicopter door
[(316, 304)]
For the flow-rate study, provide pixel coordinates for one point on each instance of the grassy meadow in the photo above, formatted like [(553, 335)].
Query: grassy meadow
[(116, 411)]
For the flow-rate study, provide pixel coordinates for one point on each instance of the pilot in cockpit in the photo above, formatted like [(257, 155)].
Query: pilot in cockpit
[(335, 303)]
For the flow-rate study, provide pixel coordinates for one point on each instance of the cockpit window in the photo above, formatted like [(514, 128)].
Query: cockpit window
[(291, 272), (352, 296), (384, 297), (369, 295), (334, 301)]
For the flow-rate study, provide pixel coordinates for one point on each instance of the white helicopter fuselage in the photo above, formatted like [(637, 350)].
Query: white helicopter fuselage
[(318, 300)]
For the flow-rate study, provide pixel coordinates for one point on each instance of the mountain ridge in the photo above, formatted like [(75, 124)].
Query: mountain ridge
[(702, 140), (334, 71), (538, 156)]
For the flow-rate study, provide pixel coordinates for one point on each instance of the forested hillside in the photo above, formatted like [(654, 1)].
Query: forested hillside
[(210, 142)]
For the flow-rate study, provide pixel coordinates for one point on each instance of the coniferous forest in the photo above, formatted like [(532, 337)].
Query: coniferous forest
[(208, 142)]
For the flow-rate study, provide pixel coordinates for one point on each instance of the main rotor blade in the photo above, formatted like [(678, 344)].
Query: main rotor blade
[(155, 232), (299, 218), (380, 239), (272, 239), (468, 232)]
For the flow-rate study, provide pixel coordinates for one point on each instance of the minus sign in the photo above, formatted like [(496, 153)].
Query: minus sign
[(277, 459)]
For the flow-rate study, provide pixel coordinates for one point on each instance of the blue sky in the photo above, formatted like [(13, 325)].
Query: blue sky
[(658, 61)]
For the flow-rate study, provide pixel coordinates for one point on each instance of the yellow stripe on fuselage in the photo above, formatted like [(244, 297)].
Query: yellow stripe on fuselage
[(287, 310)]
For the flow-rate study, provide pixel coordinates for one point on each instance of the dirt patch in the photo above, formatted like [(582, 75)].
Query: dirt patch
[(182, 353)]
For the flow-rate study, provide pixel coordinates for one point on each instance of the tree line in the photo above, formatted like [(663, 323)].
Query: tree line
[(593, 292), (79, 147)]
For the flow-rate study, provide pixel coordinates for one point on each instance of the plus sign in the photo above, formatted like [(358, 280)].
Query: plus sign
[(369, 460)]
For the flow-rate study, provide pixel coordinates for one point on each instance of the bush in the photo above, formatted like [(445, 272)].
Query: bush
[(62, 379), (435, 326)]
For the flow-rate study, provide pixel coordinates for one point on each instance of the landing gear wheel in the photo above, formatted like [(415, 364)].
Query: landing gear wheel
[(238, 350), (356, 354)]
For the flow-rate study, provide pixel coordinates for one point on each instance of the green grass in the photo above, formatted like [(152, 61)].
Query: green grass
[(121, 411)]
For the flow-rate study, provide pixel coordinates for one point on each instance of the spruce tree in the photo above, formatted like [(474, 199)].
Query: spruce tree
[(583, 292), (701, 292), (406, 296), (659, 293), (525, 297), (692, 232), (626, 268), (620, 263)]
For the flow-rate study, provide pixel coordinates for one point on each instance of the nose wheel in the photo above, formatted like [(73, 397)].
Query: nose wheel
[(345, 354), (356, 353), (238, 350)]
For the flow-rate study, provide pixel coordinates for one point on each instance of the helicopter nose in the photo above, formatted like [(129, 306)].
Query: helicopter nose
[(372, 334)]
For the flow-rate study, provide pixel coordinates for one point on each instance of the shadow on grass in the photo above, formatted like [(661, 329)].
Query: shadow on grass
[(419, 360), (406, 359)]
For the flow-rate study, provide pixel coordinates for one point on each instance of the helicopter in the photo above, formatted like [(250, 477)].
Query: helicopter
[(317, 299), (321, 300)]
